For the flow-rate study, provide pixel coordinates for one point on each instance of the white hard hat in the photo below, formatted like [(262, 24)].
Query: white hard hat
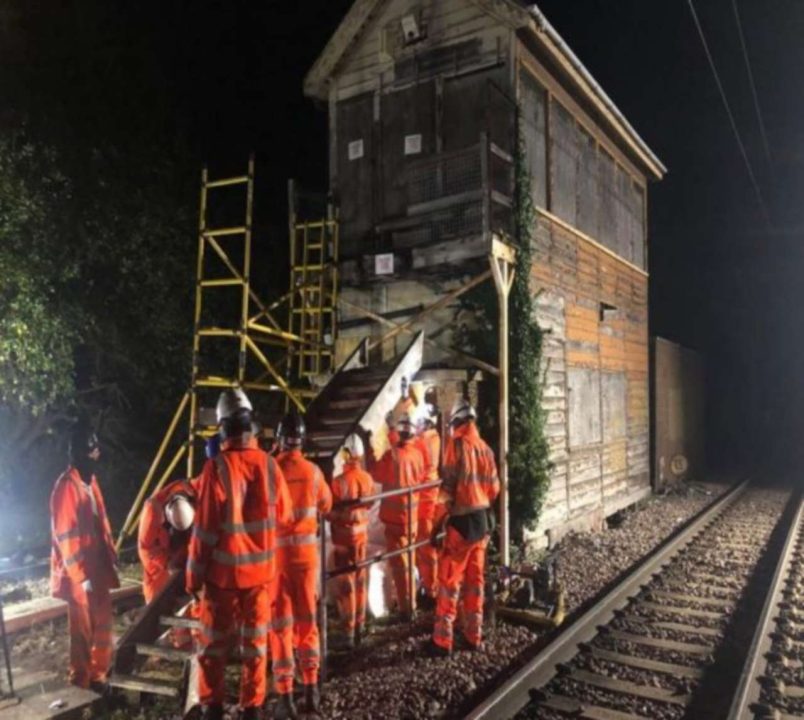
[(404, 424), (354, 446), (461, 410), (428, 413), (180, 513), (230, 401)]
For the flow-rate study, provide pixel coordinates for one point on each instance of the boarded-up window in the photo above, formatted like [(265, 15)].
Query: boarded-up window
[(404, 113), (588, 190), (471, 106), (355, 170), (622, 214), (534, 107), (584, 407), (564, 160), (607, 233), (613, 389), (638, 226)]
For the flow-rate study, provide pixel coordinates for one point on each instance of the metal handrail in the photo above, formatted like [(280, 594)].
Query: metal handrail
[(410, 549)]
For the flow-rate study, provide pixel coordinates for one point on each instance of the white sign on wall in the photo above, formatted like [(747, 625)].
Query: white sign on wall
[(413, 144), (356, 149), (384, 264)]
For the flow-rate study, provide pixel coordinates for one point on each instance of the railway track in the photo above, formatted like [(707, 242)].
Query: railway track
[(772, 681), (654, 644)]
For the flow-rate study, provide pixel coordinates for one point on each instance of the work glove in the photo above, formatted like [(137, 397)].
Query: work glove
[(86, 586)]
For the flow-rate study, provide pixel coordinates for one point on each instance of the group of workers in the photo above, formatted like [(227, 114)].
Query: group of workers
[(246, 534)]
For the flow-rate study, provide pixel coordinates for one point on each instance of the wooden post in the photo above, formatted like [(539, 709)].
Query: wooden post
[(502, 265)]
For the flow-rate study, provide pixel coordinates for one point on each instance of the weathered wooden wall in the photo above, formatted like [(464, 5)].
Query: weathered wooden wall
[(678, 411), (594, 311)]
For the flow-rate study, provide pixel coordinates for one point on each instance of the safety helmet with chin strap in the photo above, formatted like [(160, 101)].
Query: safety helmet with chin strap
[(180, 513), (462, 411), (291, 431), (353, 446), (231, 402)]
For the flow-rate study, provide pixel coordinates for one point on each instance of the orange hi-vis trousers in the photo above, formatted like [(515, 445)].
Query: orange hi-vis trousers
[(294, 618), (427, 555), (351, 588), (462, 563), (396, 537), (91, 645), (229, 615)]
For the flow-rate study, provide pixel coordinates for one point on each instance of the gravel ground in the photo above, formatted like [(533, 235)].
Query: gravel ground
[(588, 562), (392, 678)]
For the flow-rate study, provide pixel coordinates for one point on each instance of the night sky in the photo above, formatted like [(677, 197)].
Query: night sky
[(222, 78)]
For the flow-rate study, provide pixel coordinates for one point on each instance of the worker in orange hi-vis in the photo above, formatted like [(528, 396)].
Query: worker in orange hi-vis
[(296, 600), (470, 487), (83, 567), (429, 443), (163, 534), (349, 526), (401, 466), (231, 565)]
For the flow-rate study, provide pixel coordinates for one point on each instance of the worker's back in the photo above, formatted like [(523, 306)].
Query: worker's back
[(470, 471), (242, 498)]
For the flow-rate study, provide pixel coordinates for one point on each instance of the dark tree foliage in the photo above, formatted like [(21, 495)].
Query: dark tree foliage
[(97, 247)]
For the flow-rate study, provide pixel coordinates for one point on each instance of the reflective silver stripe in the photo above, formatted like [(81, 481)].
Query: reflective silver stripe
[(308, 653), (477, 591), (211, 632), (73, 559), (196, 567), (447, 593), (282, 623), (254, 632), (284, 664), (74, 533), (304, 513), (225, 558), (249, 527), (204, 536), (291, 540)]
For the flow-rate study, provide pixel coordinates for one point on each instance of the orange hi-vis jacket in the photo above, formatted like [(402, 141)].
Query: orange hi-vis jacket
[(470, 472), (242, 497), (82, 546), (401, 466), (350, 525), (429, 444), (154, 538), (309, 495)]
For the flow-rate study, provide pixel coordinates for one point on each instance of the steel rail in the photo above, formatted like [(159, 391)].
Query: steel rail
[(748, 691), (514, 694)]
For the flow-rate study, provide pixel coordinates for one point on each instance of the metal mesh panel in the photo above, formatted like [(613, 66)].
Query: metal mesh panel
[(444, 175)]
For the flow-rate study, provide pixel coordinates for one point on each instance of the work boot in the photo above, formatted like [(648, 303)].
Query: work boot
[(286, 708), (312, 698), (360, 633), (436, 651), (212, 712), (425, 601), (463, 644), (251, 713)]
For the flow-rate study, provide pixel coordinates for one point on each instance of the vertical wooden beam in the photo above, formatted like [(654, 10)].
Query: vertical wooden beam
[(502, 267)]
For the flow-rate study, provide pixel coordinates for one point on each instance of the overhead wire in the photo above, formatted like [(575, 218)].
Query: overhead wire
[(733, 122), (754, 93)]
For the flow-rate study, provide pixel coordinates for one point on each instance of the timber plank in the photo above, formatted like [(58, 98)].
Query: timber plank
[(37, 707)]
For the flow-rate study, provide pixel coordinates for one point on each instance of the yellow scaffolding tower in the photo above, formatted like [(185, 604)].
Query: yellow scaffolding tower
[(313, 293), (229, 248)]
